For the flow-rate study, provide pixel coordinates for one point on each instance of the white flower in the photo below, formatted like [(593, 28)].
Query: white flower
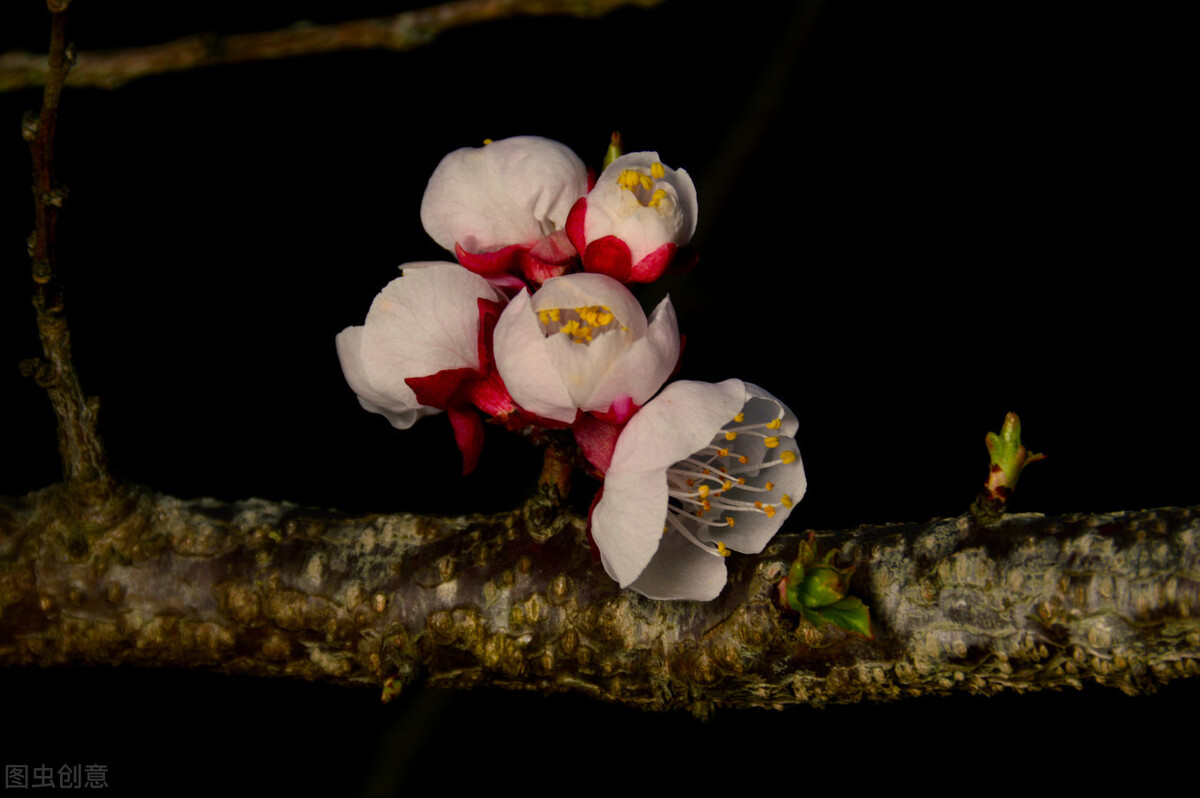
[(424, 322), (511, 192), (647, 206), (582, 342), (701, 470)]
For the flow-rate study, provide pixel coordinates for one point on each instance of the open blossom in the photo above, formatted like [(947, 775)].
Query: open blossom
[(701, 470), (582, 342), (505, 205), (638, 214), (423, 350)]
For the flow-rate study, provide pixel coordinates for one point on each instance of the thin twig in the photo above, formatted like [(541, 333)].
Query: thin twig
[(85, 468), (109, 69)]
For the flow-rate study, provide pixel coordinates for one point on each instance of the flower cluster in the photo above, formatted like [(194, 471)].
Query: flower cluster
[(534, 328)]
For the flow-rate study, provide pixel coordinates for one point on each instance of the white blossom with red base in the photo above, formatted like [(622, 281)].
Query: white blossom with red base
[(583, 343), (424, 348), (700, 471), (635, 218), (503, 207)]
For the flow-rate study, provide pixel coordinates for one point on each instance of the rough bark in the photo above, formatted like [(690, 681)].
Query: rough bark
[(273, 589)]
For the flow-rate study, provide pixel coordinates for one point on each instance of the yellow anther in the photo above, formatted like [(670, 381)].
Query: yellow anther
[(758, 505), (729, 520), (731, 436), (743, 459), (769, 510), (657, 171), (703, 491), (656, 198), (741, 480), (740, 417), (722, 452), (664, 529), (775, 424), (646, 182), (706, 505), (691, 482), (487, 142), (603, 319), (786, 501), (770, 486), (788, 456), (771, 442), (729, 484), (724, 552), (629, 179)]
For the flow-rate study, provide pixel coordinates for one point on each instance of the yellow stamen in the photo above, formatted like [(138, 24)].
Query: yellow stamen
[(771, 442), (788, 456), (740, 417), (657, 171), (758, 505), (724, 552), (729, 484), (722, 452), (786, 501), (646, 182), (769, 510), (656, 198), (703, 491), (743, 459), (731, 436), (770, 486), (487, 142), (629, 179), (776, 424), (729, 520)]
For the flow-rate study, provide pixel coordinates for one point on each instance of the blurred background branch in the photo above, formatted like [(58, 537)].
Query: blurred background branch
[(109, 69)]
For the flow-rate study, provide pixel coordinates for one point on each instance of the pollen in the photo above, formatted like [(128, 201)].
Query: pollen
[(731, 436), (657, 171), (769, 510), (788, 457), (629, 179), (786, 501), (729, 520), (656, 198), (724, 552), (722, 452), (547, 316), (703, 491), (771, 442), (740, 417), (743, 459), (775, 423)]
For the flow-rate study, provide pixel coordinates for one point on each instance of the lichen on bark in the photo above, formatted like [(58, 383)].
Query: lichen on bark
[(277, 590)]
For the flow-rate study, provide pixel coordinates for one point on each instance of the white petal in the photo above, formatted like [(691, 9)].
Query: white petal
[(423, 322), (679, 570), (627, 523), (512, 191), (525, 365), (677, 423), (644, 366)]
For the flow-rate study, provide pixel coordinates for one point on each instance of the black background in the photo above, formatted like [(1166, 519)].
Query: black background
[(913, 218)]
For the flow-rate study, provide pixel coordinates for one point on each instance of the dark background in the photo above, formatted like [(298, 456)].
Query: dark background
[(913, 218)]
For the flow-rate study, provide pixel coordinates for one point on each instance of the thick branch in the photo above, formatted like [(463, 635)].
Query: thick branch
[(271, 589), (112, 68)]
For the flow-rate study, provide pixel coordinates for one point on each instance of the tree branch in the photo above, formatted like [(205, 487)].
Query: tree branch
[(110, 69), (85, 466), (272, 589)]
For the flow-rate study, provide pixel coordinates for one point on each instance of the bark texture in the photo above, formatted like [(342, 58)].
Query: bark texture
[(274, 589)]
